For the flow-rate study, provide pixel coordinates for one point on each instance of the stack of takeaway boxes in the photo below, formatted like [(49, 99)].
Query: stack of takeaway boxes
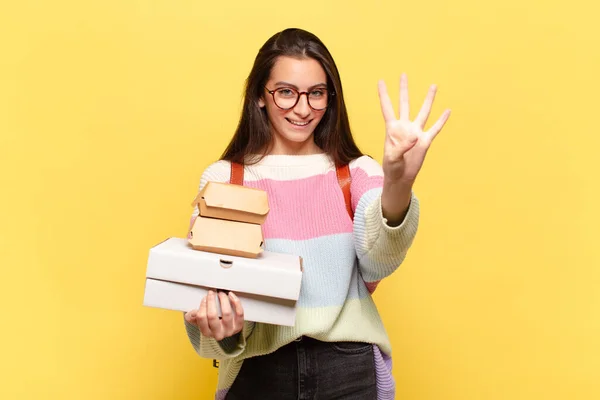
[(224, 252)]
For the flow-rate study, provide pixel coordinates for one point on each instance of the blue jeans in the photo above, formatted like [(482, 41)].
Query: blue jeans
[(308, 369)]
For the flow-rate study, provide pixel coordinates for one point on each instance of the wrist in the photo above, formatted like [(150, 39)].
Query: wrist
[(397, 183), (395, 200)]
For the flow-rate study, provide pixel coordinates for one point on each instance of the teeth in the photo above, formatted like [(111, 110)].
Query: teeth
[(298, 123)]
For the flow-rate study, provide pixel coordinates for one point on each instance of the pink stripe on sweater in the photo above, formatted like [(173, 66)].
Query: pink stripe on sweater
[(304, 209), (362, 183)]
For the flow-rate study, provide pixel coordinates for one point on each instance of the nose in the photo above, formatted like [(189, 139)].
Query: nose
[(302, 109)]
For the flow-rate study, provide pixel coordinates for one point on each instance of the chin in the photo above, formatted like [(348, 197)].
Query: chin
[(297, 137)]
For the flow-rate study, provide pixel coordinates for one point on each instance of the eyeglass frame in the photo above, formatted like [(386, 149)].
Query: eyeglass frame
[(272, 93)]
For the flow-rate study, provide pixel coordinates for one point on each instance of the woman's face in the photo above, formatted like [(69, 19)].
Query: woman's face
[(293, 128)]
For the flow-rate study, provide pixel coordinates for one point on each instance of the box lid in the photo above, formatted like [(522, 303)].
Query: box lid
[(270, 274), (232, 202)]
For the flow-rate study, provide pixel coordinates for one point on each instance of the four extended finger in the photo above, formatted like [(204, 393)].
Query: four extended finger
[(426, 108), (439, 124), (404, 103), (386, 103)]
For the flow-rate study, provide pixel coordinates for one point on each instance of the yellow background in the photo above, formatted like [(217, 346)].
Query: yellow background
[(110, 110)]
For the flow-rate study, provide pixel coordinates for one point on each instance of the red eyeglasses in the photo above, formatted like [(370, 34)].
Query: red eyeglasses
[(286, 98)]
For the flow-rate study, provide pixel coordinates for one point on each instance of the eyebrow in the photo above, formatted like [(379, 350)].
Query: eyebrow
[(296, 87)]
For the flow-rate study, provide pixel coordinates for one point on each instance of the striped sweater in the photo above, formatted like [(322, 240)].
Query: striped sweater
[(343, 259)]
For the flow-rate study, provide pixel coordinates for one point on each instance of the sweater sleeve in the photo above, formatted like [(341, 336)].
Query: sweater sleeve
[(380, 248), (208, 347)]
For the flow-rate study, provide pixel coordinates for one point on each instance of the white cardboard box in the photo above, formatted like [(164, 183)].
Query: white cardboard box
[(177, 277)]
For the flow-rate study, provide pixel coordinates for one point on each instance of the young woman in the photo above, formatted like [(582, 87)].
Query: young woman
[(292, 137)]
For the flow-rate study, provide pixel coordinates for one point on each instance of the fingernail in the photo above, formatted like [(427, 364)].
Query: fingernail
[(233, 296)]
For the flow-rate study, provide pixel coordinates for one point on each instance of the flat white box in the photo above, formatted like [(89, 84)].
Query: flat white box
[(177, 277)]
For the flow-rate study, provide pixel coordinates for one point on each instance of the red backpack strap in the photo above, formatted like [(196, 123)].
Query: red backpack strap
[(237, 174), (344, 180)]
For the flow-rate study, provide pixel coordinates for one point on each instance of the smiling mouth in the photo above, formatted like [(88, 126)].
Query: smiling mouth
[(297, 123)]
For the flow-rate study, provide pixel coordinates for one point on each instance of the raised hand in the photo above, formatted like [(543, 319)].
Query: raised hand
[(406, 141), (207, 319)]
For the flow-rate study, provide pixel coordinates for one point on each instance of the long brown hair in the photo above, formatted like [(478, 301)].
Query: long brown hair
[(253, 135)]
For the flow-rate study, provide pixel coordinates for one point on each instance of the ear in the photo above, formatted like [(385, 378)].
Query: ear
[(261, 102)]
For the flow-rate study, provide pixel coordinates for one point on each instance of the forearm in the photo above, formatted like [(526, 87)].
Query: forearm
[(381, 248), (395, 200), (386, 217)]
